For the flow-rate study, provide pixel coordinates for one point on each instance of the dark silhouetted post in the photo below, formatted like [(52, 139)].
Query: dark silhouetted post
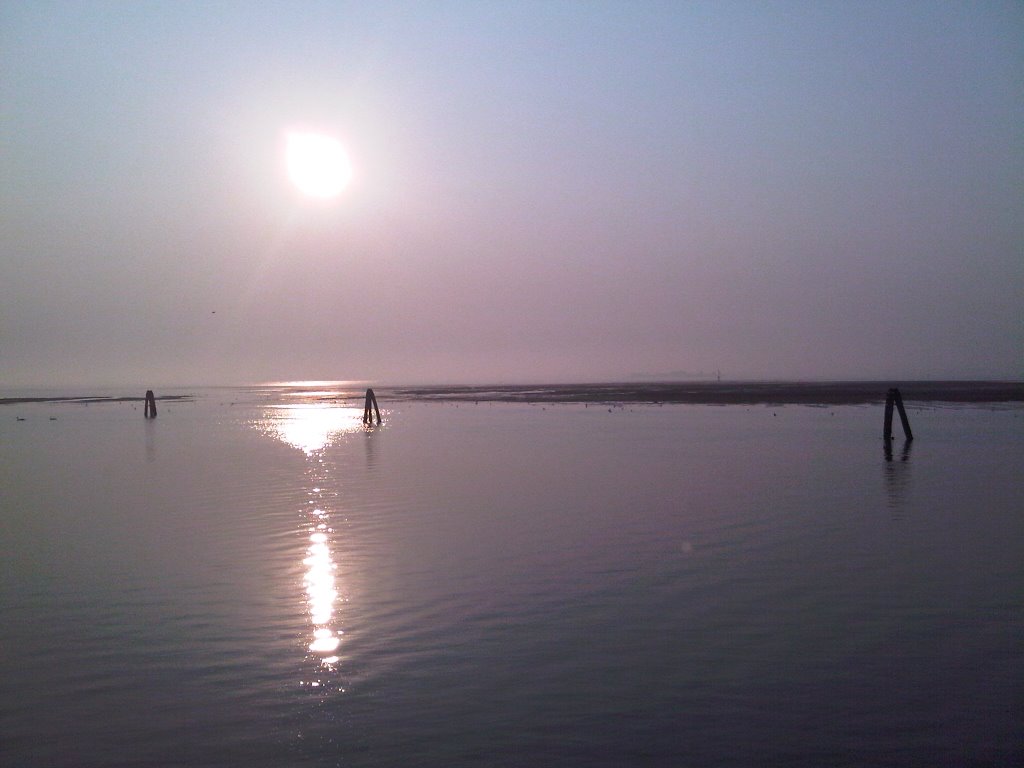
[(150, 409), (894, 398), (371, 399), (903, 415)]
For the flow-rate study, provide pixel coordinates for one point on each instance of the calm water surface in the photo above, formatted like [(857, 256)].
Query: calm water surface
[(269, 583)]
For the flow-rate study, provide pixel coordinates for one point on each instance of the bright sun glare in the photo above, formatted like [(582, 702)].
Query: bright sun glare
[(317, 164)]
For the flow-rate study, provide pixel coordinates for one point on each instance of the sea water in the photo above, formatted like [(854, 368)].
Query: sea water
[(256, 578)]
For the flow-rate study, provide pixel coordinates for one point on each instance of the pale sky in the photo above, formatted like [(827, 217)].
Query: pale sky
[(555, 191)]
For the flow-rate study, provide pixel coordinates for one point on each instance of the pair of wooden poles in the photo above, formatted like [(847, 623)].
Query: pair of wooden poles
[(371, 399), (150, 409), (892, 398)]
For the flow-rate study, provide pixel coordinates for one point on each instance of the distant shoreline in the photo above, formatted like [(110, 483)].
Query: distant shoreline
[(87, 399), (728, 393), (693, 392)]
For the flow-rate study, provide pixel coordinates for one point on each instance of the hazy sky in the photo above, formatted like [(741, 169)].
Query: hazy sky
[(541, 191)]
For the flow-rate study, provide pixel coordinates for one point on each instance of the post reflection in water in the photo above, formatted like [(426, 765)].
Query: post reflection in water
[(312, 428), (897, 474)]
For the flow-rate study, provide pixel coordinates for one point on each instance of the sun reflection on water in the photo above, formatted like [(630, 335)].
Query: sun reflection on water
[(312, 428)]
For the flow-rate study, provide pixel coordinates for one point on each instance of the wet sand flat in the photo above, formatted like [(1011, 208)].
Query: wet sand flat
[(693, 392)]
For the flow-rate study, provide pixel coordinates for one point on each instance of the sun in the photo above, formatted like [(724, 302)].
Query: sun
[(317, 164)]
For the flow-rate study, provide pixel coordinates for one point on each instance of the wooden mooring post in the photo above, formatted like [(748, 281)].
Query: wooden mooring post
[(893, 397), (150, 409), (371, 399)]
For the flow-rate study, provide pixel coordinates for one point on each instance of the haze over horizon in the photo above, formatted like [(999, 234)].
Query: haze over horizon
[(539, 191)]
